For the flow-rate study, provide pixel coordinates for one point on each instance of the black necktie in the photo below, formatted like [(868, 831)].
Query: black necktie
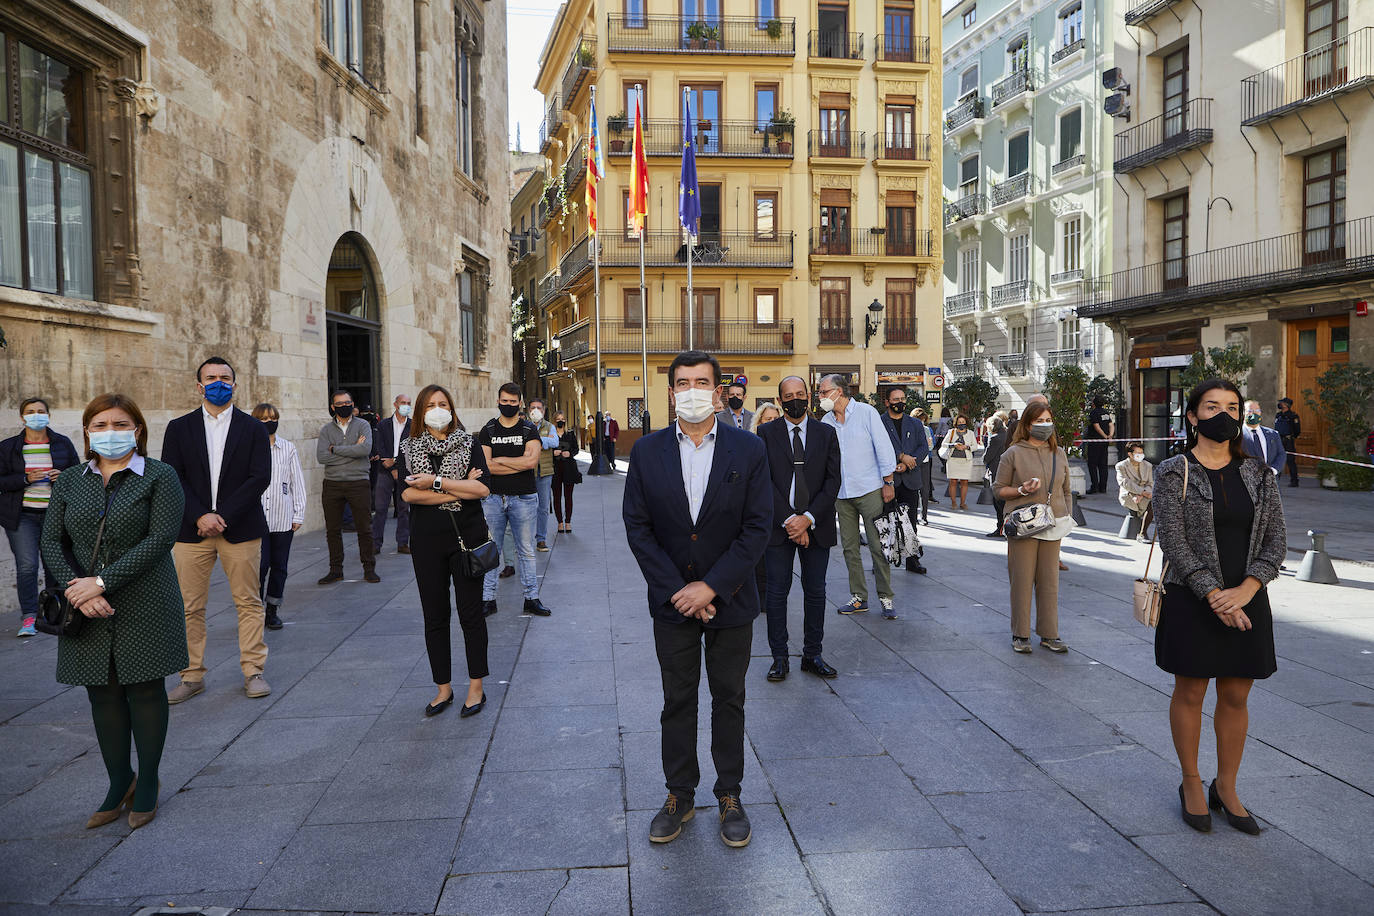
[(801, 496)]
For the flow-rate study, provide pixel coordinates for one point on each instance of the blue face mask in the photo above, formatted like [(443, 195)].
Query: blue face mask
[(36, 421), (113, 443), (219, 393)]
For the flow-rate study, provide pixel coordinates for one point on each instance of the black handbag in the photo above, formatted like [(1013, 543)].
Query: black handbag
[(56, 615), (474, 563)]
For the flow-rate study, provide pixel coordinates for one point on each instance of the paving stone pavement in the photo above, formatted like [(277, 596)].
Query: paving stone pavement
[(940, 773)]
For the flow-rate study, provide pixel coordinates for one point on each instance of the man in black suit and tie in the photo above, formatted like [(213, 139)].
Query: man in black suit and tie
[(804, 463), (697, 512), (223, 459), (387, 489)]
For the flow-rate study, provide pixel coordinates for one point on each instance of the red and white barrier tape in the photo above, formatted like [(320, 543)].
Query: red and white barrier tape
[(1358, 464)]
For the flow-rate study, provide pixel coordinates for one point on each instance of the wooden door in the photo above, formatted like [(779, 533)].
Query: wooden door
[(1314, 345)]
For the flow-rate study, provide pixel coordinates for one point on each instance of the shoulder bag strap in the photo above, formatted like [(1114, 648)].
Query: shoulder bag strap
[(100, 531), (1155, 536), (453, 518), (1054, 473)]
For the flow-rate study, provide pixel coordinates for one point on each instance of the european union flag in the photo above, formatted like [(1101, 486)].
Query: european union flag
[(688, 195)]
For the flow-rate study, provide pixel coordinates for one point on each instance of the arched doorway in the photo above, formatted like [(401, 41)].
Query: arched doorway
[(353, 323)]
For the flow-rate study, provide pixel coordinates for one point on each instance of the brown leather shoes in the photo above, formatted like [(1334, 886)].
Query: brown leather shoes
[(101, 818)]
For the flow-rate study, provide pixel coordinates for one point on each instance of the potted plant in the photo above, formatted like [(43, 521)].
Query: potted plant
[(585, 57), (1343, 397), (696, 35), (782, 125), (712, 38), (774, 27), (618, 124)]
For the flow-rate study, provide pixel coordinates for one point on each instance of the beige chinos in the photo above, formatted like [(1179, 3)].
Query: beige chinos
[(195, 563), (1033, 565)]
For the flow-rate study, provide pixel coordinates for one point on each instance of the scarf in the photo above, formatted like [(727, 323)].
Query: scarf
[(455, 461)]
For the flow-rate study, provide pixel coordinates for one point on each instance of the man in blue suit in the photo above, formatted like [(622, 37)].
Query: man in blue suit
[(697, 510), (804, 464), (908, 435), (1262, 442)]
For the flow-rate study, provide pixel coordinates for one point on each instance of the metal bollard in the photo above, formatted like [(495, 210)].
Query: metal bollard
[(1316, 565), (1130, 527)]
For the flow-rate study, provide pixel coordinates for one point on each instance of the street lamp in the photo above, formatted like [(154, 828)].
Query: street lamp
[(871, 321)]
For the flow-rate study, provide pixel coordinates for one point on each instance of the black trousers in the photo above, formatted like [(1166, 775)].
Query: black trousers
[(679, 647), (912, 498), (356, 495), (1096, 456), (431, 552), (1291, 445)]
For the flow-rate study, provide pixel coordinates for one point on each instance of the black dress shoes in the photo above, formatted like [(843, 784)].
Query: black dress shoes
[(667, 823), (779, 670), (734, 823), (1202, 823), (331, 576), (914, 565), (434, 709), (272, 621), (488, 608), (508, 571), (1244, 824), (818, 667), (371, 576), (536, 607), (474, 709)]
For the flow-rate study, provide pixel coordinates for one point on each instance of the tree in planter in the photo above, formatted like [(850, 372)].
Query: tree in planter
[(1109, 390), (1343, 397), (973, 397), (1232, 363), (1067, 389)]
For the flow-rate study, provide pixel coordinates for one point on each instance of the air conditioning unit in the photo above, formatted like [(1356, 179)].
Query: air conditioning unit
[(1117, 106), (1112, 79)]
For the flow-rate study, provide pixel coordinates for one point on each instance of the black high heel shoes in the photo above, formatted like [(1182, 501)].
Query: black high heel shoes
[(1199, 822), (1244, 824)]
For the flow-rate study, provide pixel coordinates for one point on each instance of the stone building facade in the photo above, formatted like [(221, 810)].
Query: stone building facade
[(316, 191)]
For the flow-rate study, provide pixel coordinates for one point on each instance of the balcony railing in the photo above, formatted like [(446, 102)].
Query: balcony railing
[(1014, 293), (737, 35), (581, 67), (575, 341), (902, 147), (738, 139), (1067, 50), (963, 303), (547, 127), (1182, 128), (835, 144), (1298, 260), (1011, 190), (548, 362), (903, 49), (1068, 165), (713, 249), (575, 169), (720, 335), (967, 206), (968, 110), (575, 264), (1068, 357), (1067, 276), (900, 333), (1012, 364), (1341, 66), (1142, 12), (835, 329), (1014, 86), (835, 45), (963, 368), (871, 243), (548, 288)]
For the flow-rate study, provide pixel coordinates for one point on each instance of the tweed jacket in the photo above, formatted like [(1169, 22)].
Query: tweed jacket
[(1187, 537)]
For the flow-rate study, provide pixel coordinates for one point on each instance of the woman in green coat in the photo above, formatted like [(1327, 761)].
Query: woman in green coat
[(135, 631)]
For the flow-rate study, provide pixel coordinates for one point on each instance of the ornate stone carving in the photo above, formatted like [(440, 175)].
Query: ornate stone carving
[(921, 270), (821, 84), (888, 87), (869, 268)]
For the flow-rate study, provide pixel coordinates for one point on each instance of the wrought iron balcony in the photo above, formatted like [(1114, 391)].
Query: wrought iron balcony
[(963, 368), (902, 147), (830, 45), (720, 335), (736, 139), (966, 206), (902, 49), (870, 243), (735, 35), (1012, 190), (1143, 12), (575, 341), (1067, 276), (581, 68), (1012, 88), (549, 126), (963, 303), (1067, 357), (1298, 260), (899, 329), (713, 249), (969, 109), (1343, 65), (1069, 164), (548, 362), (1068, 50), (548, 289), (835, 329), (575, 169), (1183, 128), (835, 144), (575, 264), (1012, 364), (1017, 292)]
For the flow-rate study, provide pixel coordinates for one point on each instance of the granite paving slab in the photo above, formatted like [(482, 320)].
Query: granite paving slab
[(930, 882), (286, 750), (403, 781), (571, 892), (555, 737)]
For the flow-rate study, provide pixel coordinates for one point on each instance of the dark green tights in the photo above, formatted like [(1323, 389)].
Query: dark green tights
[(130, 711)]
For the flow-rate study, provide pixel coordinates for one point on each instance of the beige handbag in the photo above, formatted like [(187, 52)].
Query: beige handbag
[(1147, 593)]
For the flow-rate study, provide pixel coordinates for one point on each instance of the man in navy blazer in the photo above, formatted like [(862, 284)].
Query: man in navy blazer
[(804, 466), (388, 487), (223, 459), (1262, 442), (697, 511), (908, 436)]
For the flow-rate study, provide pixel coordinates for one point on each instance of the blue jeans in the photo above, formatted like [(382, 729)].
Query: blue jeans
[(544, 490), (24, 543), (519, 513), (814, 560)]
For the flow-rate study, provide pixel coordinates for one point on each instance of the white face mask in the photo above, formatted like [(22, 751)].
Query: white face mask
[(403, 410), (827, 404), (1138, 456), (536, 415), (438, 418), (694, 404)]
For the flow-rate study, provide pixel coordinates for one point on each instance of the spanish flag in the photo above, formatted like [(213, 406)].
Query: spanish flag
[(639, 179), (593, 170)]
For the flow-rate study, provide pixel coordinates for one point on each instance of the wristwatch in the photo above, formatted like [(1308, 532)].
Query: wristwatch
[(438, 484), (101, 582)]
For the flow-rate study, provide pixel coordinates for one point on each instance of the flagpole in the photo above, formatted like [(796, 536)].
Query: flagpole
[(643, 308), (599, 465), (691, 239)]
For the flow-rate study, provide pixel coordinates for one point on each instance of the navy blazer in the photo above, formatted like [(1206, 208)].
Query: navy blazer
[(729, 536), (822, 473), (911, 441), (1273, 444), (244, 474), (384, 438), (13, 480)]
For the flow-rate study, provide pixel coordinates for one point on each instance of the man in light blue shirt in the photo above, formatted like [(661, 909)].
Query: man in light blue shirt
[(867, 464)]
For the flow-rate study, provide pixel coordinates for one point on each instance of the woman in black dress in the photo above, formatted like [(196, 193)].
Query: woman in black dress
[(1221, 531), (565, 472), (443, 470)]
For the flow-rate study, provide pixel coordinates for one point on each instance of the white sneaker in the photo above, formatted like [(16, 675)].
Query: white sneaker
[(888, 612)]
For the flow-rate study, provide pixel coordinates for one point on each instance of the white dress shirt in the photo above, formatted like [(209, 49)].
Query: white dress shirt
[(283, 502), (800, 426), (696, 466), (216, 435)]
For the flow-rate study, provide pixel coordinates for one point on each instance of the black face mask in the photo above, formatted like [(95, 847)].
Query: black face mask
[(1221, 427), (736, 403), (343, 413), (795, 408), (508, 410), (960, 426), (897, 407), (560, 424), (271, 426)]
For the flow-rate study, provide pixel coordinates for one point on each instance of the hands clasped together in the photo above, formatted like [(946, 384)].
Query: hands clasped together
[(1229, 603)]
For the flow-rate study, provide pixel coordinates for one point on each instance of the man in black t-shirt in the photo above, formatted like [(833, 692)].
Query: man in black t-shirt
[(511, 447), (1099, 428)]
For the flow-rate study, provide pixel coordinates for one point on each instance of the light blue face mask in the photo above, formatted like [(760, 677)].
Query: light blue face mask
[(36, 421), (113, 443)]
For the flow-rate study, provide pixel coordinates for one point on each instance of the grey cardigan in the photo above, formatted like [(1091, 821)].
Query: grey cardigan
[(1187, 537)]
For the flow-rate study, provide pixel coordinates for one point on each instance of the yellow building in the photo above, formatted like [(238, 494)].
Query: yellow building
[(817, 140)]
